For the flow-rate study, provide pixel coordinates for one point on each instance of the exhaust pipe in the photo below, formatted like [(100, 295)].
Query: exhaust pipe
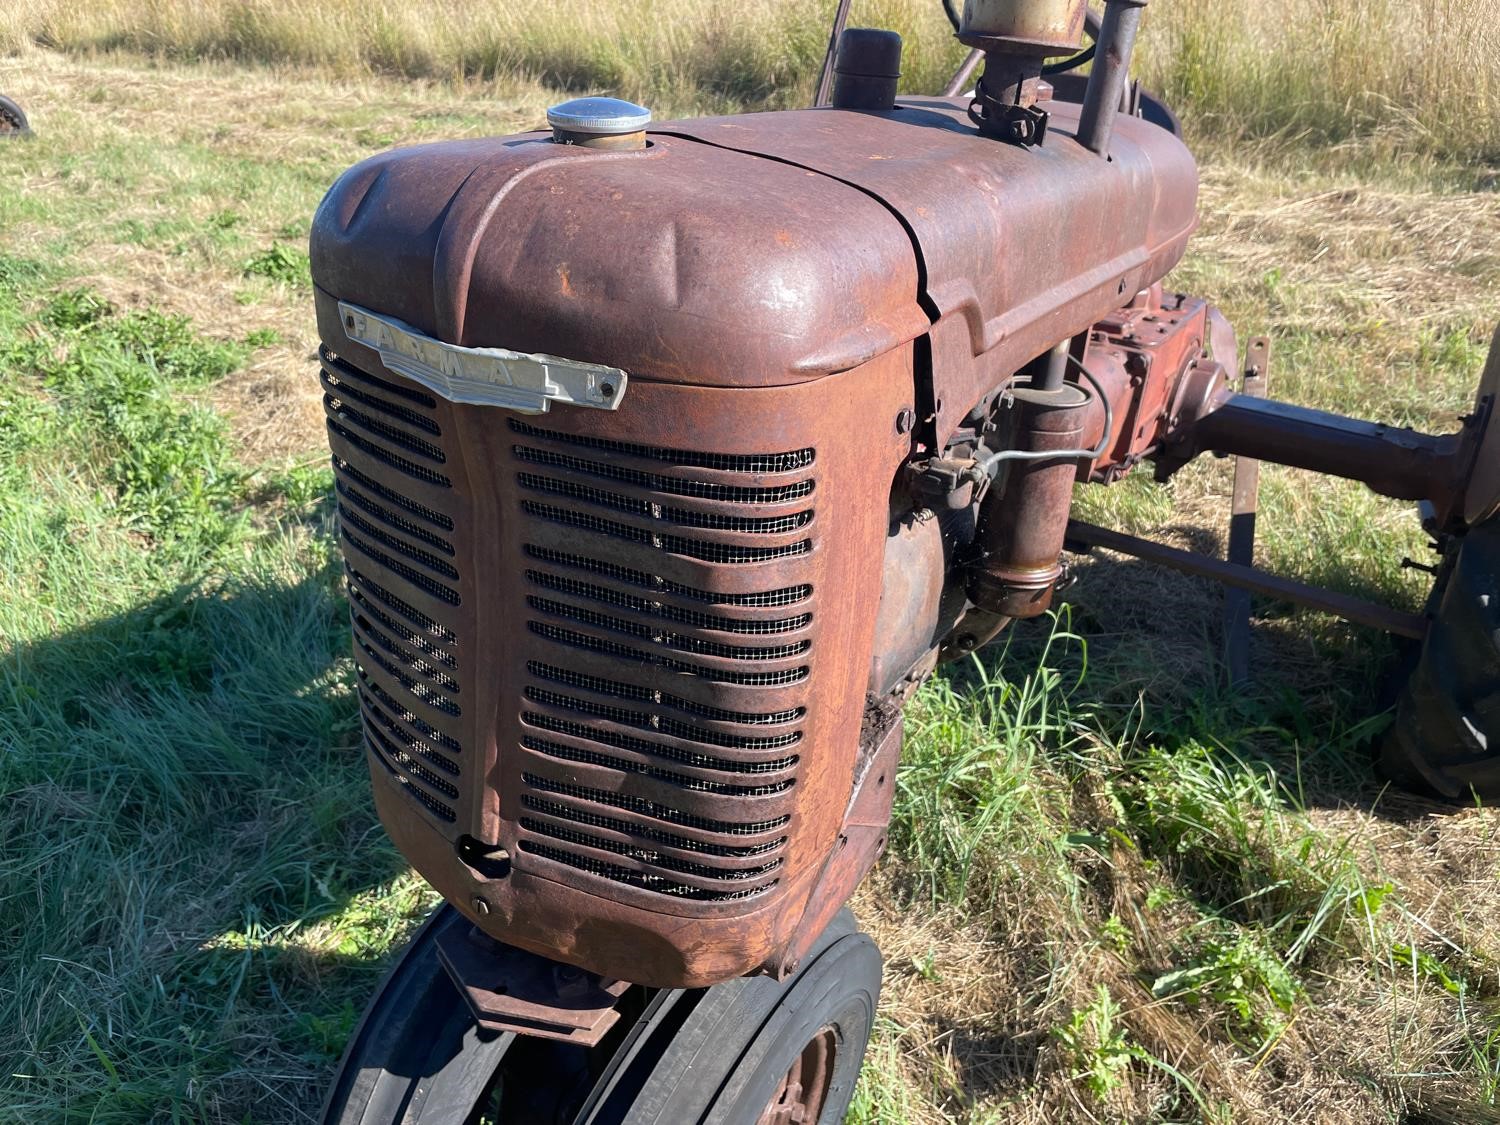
[(1106, 90)]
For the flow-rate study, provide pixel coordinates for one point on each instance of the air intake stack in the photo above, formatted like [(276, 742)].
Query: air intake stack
[(1018, 36)]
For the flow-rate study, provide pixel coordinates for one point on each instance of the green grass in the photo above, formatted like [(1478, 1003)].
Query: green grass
[(181, 793), (1117, 890)]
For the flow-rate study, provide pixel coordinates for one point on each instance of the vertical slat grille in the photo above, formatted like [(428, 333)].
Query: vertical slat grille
[(669, 615), (396, 521)]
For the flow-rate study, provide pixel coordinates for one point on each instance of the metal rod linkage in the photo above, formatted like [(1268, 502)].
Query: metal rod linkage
[(824, 93), (962, 75)]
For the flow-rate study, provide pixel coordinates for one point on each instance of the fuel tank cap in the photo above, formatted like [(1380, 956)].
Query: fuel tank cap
[(599, 123)]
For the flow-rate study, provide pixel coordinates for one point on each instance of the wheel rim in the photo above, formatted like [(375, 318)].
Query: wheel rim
[(800, 1097)]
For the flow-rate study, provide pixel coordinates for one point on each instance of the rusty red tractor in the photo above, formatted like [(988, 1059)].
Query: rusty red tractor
[(672, 458)]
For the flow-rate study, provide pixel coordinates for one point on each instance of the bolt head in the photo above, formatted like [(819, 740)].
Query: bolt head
[(480, 906), (905, 421)]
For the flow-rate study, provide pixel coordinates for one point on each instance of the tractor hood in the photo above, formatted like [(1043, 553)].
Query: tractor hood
[(758, 250)]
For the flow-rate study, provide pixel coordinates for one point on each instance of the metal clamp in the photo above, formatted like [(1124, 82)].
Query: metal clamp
[(527, 384)]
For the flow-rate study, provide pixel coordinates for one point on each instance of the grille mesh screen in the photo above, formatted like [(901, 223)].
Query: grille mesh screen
[(401, 578), (791, 595), (667, 684), (668, 644)]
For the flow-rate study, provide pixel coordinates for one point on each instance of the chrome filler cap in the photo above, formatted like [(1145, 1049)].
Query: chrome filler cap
[(597, 117)]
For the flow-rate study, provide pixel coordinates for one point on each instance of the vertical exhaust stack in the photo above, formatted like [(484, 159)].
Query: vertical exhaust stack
[(1106, 90), (1017, 36)]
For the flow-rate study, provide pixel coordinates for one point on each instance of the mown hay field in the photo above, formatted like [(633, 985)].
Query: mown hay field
[(1117, 890), (1421, 74)]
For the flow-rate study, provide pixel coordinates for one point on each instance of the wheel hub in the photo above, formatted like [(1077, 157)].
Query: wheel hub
[(800, 1097)]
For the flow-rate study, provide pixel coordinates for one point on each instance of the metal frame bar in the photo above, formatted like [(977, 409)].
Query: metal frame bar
[(1243, 509), (1250, 578)]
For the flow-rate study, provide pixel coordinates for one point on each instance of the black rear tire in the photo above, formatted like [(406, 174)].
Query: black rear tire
[(13, 121), (1446, 738), (722, 1055)]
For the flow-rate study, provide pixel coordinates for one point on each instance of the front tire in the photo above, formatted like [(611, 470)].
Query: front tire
[(752, 1051), (761, 1052)]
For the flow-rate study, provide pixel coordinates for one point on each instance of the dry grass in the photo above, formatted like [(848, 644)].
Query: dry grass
[(1415, 76)]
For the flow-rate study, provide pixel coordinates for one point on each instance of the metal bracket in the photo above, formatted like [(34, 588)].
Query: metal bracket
[(1244, 506), (508, 989), (527, 384)]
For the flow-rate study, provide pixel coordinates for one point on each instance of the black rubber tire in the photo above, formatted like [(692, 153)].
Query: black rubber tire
[(729, 1057), (1445, 741), (13, 121), (416, 1055), (704, 1055)]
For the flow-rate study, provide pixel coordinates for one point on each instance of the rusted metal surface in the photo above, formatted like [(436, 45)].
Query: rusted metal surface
[(1244, 504), (1024, 523), (1043, 27), (614, 667), (800, 1095), (1151, 357), (1350, 608), (1482, 489), (1395, 462), (508, 989), (911, 620), (667, 720), (796, 277), (862, 839), (1004, 280), (1017, 36)]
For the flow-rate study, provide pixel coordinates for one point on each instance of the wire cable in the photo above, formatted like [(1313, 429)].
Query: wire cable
[(1061, 454), (1074, 62)]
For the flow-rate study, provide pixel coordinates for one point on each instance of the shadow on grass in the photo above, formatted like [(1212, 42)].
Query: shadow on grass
[(197, 896)]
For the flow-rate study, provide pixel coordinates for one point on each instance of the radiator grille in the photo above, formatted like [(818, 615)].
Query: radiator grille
[(729, 462), (396, 522), (653, 695), (653, 810), (667, 654), (634, 684), (758, 626), (771, 599), (627, 765), (707, 550), (648, 748)]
